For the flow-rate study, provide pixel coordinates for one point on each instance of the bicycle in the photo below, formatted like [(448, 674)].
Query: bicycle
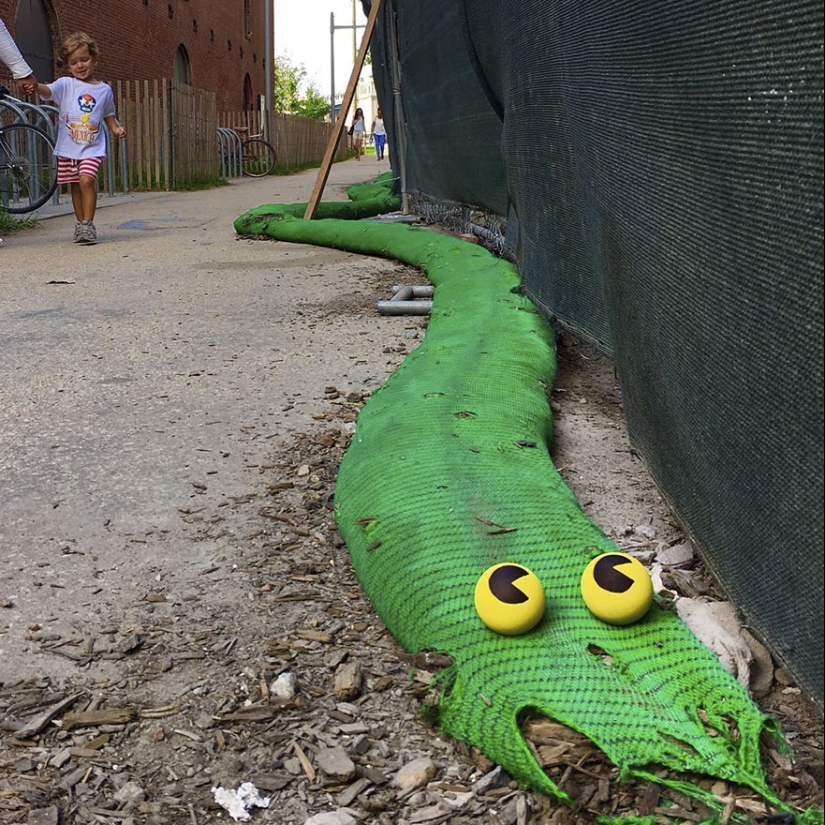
[(28, 170), (252, 156), (257, 156)]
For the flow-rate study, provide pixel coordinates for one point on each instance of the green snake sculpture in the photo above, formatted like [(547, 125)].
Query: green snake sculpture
[(448, 473)]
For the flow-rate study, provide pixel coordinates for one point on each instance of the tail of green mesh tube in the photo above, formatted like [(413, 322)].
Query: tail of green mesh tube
[(376, 197), (448, 473)]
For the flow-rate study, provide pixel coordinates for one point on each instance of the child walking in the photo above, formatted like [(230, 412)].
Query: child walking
[(84, 103)]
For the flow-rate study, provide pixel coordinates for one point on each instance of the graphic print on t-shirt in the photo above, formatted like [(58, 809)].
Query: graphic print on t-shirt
[(84, 133)]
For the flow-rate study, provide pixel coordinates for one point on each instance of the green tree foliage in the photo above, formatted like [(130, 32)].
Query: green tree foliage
[(314, 105), (293, 95)]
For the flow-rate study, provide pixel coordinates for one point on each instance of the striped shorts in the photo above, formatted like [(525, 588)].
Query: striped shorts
[(69, 170)]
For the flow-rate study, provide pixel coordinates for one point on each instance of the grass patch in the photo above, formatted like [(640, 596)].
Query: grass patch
[(13, 223), (202, 183)]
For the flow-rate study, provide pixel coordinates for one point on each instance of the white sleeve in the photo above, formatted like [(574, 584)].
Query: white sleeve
[(10, 55)]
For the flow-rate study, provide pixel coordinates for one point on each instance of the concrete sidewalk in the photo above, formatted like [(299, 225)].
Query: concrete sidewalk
[(104, 200), (152, 373)]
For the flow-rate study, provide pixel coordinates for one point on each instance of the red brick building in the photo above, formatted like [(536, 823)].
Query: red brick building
[(216, 45)]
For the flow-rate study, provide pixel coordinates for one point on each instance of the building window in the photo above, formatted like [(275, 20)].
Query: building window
[(248, 96), (247, 19), (183, 70)]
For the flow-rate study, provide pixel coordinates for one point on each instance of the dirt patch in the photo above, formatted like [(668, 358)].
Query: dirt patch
[(265, 663)]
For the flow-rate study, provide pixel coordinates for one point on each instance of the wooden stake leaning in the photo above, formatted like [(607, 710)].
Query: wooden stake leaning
[(349, 94)]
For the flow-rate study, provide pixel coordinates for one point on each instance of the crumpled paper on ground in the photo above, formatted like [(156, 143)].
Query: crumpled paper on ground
[(717, 627), (238, 802)]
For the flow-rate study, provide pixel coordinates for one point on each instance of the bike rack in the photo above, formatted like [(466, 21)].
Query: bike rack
[(231, 152), (43, 116)]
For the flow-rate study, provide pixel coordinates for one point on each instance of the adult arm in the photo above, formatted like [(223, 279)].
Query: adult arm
[(10, 55)]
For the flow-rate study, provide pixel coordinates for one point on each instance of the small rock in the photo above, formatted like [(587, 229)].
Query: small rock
[(496, 778), (414, 774), (284, 687), (293, 766), (361, 744), (336, 764), (675, 556), (348, 680)]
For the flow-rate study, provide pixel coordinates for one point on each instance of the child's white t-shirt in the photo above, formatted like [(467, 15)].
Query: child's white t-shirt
[(81, 132)]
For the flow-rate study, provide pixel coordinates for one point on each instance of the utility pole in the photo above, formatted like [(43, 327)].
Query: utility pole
[(332, 30), (354, 46), (269, 66)]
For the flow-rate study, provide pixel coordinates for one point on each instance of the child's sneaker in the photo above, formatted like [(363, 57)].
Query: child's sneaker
[(78, 232), (88, 233)]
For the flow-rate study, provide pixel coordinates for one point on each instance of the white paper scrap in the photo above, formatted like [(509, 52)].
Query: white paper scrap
[(238, 802)]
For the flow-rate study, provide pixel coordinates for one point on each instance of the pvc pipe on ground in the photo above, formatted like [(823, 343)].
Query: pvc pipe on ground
[(417, 292), (404, 307), (404, 293)]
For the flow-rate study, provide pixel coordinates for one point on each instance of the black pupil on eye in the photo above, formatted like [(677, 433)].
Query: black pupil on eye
[(502, 587), (609, 577)]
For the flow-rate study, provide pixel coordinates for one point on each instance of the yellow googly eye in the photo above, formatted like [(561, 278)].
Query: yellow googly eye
[(509, 599), (616, 588)]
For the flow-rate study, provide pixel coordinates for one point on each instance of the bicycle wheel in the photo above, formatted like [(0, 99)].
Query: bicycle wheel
[(258, 157), (28, 169)]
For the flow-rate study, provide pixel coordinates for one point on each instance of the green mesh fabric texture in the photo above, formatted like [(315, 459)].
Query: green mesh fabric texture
[(449, 473)]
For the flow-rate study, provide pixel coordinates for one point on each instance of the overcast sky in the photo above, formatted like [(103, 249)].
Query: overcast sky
[(302, 33)]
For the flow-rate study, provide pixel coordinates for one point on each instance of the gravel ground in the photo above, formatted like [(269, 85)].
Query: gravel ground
[(178, 612)]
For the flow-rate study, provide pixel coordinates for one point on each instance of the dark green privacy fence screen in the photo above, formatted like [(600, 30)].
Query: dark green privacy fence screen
[(659, 166)]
